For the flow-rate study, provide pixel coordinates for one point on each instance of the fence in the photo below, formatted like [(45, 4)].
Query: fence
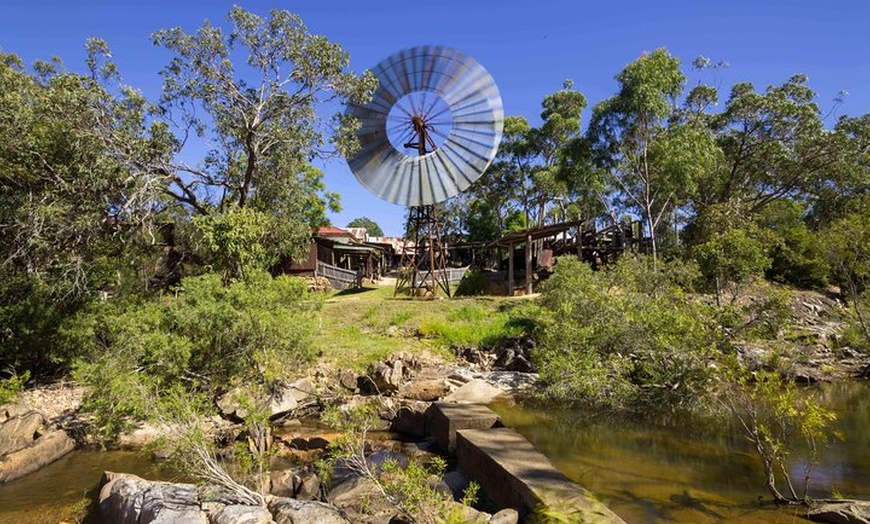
[(339, 278)]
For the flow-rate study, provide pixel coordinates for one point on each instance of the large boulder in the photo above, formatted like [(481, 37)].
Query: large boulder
[(476, 391), (845, 512), (128, 499), (282, 400), (388, 376), (20, 430), (42, 451)]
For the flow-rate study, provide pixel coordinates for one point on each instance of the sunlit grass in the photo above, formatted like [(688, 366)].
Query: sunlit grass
[(359, 327)]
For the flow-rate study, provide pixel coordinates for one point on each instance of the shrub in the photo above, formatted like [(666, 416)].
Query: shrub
[(473, 283), (625, 338), (206, 338)]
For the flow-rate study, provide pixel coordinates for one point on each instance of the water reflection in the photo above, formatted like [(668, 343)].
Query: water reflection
[(691, 470)]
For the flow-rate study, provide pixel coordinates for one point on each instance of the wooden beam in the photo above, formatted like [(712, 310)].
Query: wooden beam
[(511, 270), (529, 264)]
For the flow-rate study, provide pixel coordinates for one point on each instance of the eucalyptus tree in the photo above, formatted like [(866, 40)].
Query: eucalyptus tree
[(561, 125), (254, 95), (648, 158)]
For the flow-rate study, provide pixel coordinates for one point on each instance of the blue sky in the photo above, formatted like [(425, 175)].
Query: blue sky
[(529, 46)]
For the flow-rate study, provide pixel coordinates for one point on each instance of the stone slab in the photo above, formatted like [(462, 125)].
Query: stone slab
[(445, 419), (514, 474), (44, 450)]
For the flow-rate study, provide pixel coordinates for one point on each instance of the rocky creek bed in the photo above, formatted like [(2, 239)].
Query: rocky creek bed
[(46, 424)]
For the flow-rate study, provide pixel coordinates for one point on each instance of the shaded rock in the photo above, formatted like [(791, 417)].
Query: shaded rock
[(457, 482), (290, 511), (351, 491), (300, 485), (44, 450), (514, 354), (20, 430), (410, 419), (846, 512), (476, 391), (239, 514)]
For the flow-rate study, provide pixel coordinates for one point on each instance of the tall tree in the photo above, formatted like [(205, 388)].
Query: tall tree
[(260, 118), (650, 160)]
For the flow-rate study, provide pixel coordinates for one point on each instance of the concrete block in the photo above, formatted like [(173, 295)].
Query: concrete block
[(446, 419), (516, 475)]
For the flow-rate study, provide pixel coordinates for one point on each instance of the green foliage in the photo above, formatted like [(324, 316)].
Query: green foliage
[(206, 338), (762, 314), (474, 282), (849, 255), (797, 254), (372, 227), (407, 486), (243, 239), (626, 338), (774, 413), (732, 251), (12, 386)]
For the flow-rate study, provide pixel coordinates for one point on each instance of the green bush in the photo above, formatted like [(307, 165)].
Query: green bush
[(624, 338), (473, 283), (206, 338), (12, 386)]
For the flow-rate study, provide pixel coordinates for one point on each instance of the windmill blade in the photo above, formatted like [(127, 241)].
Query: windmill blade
[(461, 106)]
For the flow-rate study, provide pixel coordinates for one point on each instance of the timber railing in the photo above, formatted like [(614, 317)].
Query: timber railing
[(340, 278)]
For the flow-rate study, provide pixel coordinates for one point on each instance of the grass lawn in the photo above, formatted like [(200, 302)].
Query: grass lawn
[(358, 327)]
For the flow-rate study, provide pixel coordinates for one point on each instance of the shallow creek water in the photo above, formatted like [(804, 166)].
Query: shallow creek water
[(677, 471), (661, 471)]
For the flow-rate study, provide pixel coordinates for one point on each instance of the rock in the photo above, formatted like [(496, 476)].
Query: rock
[(44, 450), (388, 376), (142, 435), (279, 402), (289, 511), (348, 380), (515, 354), (410, 419), (457, 482), (505, 516), (301, 389), (300, 485), (20, 430), (425, 390), (351, 491), (239, 514), (468, 514), (128, 499), (846, 512), (477, 391)]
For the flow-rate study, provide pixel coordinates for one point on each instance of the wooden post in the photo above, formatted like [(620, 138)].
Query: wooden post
[(511, 270), (529, 264)]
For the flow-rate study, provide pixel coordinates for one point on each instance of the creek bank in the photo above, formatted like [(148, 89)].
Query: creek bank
[(28, 441), (841, 512)]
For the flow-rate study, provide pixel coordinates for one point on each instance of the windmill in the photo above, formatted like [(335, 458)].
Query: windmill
[(431, 129)]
